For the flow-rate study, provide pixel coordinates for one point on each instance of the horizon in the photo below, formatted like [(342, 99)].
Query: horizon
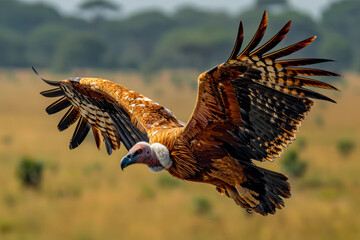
[(313, 8)]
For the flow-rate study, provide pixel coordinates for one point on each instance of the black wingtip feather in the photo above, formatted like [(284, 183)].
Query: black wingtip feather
[(82, 129), (257, 37), (68, 119), (290, 49), (316, 95), (311, 72), (275, 40), (238, 42), (34, 70), (56, 92), (57, 106), (107, 143), (302, 61), (52, 83)]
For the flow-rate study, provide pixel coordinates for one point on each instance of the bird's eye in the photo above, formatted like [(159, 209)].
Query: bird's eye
[(138, 152)]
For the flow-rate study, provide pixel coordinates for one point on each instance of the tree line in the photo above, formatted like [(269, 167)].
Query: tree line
[(39, 35)]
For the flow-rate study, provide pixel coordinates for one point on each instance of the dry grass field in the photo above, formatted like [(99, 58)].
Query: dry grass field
[(85, 195)]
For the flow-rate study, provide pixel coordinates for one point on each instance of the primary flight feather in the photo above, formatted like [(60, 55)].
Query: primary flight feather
[(248, 108)]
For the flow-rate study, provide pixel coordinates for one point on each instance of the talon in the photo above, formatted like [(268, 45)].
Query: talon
[(248, 196), (250, 210)]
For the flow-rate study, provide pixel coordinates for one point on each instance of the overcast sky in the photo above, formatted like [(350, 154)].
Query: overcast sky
[(313, 7)]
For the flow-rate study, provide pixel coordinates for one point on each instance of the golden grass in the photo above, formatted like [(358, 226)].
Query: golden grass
[(85, 195)]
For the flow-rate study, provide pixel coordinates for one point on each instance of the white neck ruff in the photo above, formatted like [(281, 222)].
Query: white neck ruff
[(162, 154)]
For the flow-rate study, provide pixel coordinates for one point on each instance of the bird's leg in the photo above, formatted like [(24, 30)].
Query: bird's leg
[(222, 191), (232, 192), (247, 195), (236, 198)]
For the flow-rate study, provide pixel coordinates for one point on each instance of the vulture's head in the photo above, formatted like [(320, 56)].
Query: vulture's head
[(156, 156)]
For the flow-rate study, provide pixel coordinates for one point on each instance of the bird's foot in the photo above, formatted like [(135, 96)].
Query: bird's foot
[(247, 195)]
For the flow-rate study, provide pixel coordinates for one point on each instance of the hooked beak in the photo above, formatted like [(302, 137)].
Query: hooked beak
[(127, 160)]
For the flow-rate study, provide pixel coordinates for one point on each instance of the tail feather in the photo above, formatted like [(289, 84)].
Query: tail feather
[(270, 186)]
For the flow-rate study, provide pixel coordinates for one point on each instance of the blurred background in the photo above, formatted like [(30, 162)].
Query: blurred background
[(158, 48)]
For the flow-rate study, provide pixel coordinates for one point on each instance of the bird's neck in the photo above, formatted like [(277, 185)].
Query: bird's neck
[(162, 158)]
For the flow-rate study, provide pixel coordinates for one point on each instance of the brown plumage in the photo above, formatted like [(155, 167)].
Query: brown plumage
[(248, 108)]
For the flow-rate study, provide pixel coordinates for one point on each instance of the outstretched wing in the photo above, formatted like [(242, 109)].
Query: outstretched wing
[(253, 104), (114, 113)]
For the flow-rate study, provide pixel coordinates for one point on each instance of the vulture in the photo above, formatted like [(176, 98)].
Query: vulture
[(248, 109)]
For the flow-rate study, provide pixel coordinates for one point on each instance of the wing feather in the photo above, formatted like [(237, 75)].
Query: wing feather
[(290, 49), (81, 130), (267, 94), (56, 92), (97, 136), (70, 117), (238, 42), (257, 37), (273, 41), (108, 143), (250, 108), (310, 72), (59, 105), (301, 62), (313, 83), (115, 114)]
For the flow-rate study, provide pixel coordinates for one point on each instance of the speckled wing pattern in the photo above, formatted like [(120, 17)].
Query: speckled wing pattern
[(114, 113), (258, 101)]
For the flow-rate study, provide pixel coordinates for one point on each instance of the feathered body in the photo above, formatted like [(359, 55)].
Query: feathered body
[(248, 108)]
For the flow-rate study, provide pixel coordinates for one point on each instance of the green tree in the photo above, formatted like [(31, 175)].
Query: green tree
[(292, 165), (138, 36), (197, 47), (42, 43), (202, 206), (340, 21), (190, 17), (30, 172), (346, 147), (80, 50), (11, 49), (98, 8), (265, 4), (23, 17), (335, 46)]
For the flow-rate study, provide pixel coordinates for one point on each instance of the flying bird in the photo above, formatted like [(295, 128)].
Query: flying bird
[(248, 109)]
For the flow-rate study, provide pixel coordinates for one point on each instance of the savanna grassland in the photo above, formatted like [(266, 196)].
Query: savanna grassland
[(84, 194)]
